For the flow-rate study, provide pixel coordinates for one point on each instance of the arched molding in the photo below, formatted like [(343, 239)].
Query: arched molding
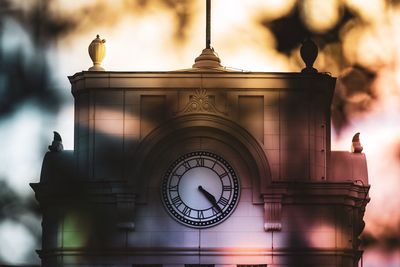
[(190, 126)]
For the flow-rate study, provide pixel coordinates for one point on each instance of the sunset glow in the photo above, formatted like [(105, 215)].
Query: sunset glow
[(167, 35)]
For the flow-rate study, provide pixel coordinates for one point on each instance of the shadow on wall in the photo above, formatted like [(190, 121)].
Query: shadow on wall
[(87, 225), (29, 79)]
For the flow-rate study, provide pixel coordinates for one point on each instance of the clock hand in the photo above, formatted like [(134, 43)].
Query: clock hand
[(210, 198)]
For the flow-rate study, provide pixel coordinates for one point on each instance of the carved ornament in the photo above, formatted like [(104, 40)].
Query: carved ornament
[(201, 102)]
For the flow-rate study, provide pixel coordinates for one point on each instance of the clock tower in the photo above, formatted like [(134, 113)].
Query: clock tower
[(202, 167)]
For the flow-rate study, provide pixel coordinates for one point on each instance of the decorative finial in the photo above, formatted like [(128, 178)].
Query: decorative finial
[(97, 52), (309, 53), (56, 145), (355, 144), (208, 59)]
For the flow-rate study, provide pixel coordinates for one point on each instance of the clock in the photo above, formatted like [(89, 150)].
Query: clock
[(200, 189)]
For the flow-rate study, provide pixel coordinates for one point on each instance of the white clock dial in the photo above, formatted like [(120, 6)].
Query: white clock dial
[(200, 189)]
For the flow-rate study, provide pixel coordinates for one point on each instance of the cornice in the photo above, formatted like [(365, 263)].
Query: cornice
[(189, 251), (211, 80)]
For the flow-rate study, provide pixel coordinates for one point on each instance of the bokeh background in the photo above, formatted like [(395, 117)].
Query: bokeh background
[(44, 41)]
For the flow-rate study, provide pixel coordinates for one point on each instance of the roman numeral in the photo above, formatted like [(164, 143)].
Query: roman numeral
[(222, 175), (187, 210), (214, 210), (177, 201), (223, 201), (200, 214), (186, 165), (215, 163), (199, 162), (173, 188), (226, 188)]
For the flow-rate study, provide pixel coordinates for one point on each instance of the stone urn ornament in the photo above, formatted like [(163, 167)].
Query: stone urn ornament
[(97, 52), (309, 53)]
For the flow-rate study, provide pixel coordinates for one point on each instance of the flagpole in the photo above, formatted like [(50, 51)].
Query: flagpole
[(208, 24)]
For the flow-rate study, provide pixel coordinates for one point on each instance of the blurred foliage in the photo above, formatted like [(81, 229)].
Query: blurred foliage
[(25, 75), (16, 208), (23, 79)]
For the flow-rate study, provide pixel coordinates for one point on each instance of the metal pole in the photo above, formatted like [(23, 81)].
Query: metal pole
[(208, 24)]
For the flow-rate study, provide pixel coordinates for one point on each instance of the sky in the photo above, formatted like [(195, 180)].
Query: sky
[(44, 41)]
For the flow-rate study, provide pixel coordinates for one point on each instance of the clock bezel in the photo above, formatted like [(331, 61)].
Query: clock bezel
[(179, 217)]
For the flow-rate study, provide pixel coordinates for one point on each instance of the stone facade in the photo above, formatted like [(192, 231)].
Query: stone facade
[(301, 204)]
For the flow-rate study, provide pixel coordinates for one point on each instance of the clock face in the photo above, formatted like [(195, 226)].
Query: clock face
[(200, 189)]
